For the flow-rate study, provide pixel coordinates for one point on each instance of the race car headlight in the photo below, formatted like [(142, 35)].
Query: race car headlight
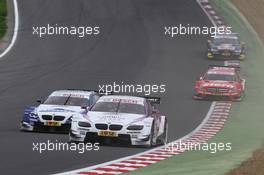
[(214, 49), (202, 88), (135, 127), (84, 124), (33, 115), (233, 90), (237, 52)]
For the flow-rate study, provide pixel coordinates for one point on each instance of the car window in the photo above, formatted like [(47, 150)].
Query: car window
[(119, 107), (70, 101), (76, 101), (131, 108), (222, 77), (95, 98), (150, 107), (219, 41), (55, 100), (105, 107)]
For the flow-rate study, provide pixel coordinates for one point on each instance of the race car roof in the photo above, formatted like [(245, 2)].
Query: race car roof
[(122, 99), (72, 93), (222, 70)]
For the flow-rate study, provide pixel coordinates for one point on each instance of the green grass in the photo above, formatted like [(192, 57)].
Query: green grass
[(245, 127), (3, 14)]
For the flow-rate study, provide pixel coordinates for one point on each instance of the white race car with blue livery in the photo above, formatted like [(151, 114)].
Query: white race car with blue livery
[(135, 120), (55, 113)]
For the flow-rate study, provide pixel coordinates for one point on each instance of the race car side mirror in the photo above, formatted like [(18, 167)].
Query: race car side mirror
[(85, 107), (39, 101), (199, 78)]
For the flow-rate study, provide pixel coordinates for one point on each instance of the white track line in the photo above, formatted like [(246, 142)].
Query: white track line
[(14, 37)]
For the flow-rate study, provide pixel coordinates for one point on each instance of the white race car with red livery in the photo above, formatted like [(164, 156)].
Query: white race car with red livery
[(135, 120), (220, 82)]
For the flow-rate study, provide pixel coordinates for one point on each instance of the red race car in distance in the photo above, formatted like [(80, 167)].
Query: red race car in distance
[(220, 83)]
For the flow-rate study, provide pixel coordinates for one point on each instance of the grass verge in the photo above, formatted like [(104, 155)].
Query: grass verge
[(3, 14), (244, 129)]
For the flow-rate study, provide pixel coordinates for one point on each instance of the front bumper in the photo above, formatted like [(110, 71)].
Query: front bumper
[(40, 127), (232, 56), (212, 96), (136, 138), (24, 126)]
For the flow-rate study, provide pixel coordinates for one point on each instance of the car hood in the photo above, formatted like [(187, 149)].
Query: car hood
[(58, 109), (114, 118)]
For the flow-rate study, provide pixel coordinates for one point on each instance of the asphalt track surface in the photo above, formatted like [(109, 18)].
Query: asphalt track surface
[(131, 48)]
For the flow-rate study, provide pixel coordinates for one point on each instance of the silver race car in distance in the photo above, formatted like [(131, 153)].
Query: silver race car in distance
[(135, 120)]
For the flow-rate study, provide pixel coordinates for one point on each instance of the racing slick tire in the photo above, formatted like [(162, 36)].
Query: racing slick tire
[(164, 137), (151, 137), (197, 97), (241, 97)]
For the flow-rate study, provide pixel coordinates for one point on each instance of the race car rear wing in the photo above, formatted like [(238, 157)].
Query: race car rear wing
[(102, 93), (153, 100)]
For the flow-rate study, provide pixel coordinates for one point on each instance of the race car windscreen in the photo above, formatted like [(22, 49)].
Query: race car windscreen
[(219, 41), (223, 77), (69, 101), (119, 107)]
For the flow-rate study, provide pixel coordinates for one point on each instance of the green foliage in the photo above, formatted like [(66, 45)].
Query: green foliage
[(3, 13)]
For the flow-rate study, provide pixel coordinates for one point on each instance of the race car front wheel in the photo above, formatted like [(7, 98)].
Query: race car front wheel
[(165, 134), (241, 97), (162, 140), (151, 137)]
